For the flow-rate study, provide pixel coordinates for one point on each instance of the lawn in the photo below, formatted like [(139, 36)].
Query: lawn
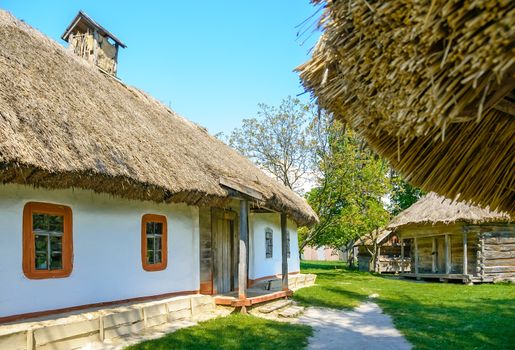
[(430, 315), (233, 333)]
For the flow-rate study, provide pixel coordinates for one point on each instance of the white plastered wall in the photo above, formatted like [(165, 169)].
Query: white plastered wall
[(260, 266), (106, 248)]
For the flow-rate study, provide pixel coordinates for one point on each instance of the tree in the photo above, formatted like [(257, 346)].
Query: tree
[(279, 141), (403, 194), (352, 182)]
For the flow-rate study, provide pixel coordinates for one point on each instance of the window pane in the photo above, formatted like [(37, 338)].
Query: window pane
[(41, 261), (157, 257), (150, 256), (150, 228), (158, 228), (39, 222), (56, 262), (150, 243), (158, 242), (40, 242), (56, 223), (56, 244)]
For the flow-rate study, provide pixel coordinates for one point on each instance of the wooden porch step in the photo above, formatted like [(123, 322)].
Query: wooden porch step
[(276, 305), (292, 311)]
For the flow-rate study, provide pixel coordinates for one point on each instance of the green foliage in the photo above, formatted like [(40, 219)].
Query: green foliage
[(403, 194), (430, 315), (352, 182), (279, 141), (233, 332)]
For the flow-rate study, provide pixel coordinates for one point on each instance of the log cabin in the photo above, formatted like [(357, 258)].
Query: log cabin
[(108, 196), (388, 252), (451, 240)]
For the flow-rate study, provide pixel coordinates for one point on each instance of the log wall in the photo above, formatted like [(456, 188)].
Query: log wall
[(497, 252)]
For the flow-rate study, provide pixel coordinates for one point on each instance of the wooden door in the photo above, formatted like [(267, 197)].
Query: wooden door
[(225, 272), (440, 254)]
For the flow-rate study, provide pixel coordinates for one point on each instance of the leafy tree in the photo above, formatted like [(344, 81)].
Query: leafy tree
[(403, 194), (279, 141), (352, 182)]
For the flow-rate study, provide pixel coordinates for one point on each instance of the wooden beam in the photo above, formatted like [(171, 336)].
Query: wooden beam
[(242, 264), (465, 258), (242, 189), (433, 255), (402, 255), (447, 254), (416, 255), (284, 246)]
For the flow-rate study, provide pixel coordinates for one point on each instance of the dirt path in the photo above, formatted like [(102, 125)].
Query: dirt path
[(365, 328)]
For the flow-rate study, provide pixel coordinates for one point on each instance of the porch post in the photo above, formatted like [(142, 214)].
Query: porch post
[(465, 258), (402, 255), (447, 255), (242, 263), (284, 245), (416, 256), (433, 255)]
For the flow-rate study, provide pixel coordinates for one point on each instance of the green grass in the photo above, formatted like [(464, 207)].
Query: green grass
[(233, 332), (430, 315)]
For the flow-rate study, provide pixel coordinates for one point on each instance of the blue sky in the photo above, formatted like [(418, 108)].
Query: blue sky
[(211, 61)]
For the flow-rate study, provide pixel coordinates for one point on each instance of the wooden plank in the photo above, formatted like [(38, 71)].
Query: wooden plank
[(120, 318), (242, 267), (416, 254), (155, 310), (180, 304), (402, 255), (284, 251), (465, 253), (15, 341), (123, 330), (55, 333), (433, 255), (248, 191), (447, 255), (74, 343)]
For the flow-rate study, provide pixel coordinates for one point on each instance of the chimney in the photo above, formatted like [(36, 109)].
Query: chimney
[(91, 41)]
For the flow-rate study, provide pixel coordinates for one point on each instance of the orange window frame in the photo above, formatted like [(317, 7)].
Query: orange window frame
[(29, 254), (164, 242)]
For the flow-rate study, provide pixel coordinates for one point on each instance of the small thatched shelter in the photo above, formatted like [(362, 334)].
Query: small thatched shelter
[(429, 84), (386, 247), (453, 240)]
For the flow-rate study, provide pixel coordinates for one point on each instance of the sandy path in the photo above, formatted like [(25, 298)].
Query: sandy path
[(365, 328)]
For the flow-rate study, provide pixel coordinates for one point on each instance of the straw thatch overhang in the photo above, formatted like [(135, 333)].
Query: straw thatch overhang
[(433, 209), (64, 124), (429, 84), (370, 238)]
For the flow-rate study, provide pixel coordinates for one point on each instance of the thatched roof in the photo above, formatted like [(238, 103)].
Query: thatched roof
[(65, 124), (369, 238), (433, 209), (429, 84)]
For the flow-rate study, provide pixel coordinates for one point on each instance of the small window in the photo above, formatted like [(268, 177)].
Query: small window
[(269, 241), (153, 242), (288, 246), (47, 240)]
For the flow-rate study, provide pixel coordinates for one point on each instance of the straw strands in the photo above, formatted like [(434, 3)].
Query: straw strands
[(433, 209), (65, 124), (429, 84)]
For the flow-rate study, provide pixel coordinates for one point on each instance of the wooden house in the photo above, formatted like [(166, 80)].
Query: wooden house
[(427, 84), (456, 241), (108, 196), (387, 247)]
